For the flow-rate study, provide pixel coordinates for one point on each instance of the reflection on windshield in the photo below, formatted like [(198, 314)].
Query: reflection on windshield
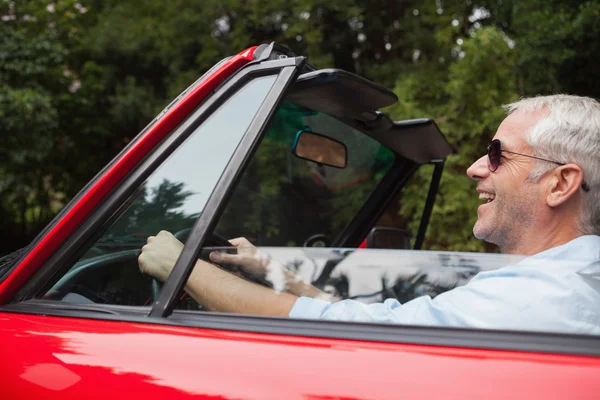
[(175, 194), (374, 275), (152, 209)]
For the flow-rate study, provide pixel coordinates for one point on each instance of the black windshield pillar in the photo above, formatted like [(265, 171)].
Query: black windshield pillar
[(289, 70)]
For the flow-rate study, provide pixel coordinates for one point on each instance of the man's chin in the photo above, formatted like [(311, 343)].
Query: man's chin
[(480, 232), (488, 235)]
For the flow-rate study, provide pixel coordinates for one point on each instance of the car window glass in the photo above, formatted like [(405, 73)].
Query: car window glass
[(370, 275), (426, 288), (284, 200), (171, 199)]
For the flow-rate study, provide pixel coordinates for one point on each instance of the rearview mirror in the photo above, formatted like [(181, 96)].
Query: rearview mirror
[(321, 149)]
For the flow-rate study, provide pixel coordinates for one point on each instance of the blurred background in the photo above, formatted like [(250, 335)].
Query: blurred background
[(79, 79)]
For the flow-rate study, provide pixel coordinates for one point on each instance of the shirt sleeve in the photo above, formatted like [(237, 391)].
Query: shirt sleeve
[(346, 310)]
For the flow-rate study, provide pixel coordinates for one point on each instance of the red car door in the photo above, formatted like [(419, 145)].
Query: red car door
[(98, 356)]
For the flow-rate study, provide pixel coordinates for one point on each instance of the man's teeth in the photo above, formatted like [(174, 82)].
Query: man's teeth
[(487, 197)]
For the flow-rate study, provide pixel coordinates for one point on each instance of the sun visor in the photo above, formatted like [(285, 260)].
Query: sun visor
[(340, 94), (419, 140)]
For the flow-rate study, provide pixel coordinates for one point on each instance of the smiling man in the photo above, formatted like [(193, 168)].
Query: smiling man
[(534, 203), (540, 183)]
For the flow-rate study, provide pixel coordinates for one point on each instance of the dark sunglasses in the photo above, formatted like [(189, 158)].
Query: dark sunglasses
[(494, 153)]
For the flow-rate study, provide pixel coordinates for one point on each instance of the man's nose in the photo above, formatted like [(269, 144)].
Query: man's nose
[(479, 169)]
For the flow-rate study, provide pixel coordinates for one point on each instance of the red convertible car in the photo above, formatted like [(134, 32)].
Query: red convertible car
[(300, 161)]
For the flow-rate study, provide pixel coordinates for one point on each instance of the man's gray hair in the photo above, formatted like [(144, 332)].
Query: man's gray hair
[(570, 133)]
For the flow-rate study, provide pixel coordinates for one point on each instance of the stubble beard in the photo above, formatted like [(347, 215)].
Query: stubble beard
[(506, 222)]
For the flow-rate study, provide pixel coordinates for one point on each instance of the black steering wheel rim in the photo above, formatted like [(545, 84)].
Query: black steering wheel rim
[(61, 288)]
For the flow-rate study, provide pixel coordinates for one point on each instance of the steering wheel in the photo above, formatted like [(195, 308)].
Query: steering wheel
[(182, 236), (66, 283), (156, 287), (88, 266)]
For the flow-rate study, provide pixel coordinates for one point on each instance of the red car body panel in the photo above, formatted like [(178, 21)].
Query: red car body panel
[(61, 358), (133, 154)]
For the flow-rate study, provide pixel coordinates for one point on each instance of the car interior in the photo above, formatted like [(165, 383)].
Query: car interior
[(285, 196)]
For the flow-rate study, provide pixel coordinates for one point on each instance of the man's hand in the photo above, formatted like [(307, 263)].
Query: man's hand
[(159, 255), (219, 290), (258, 264), (248, 257), (215, 289)]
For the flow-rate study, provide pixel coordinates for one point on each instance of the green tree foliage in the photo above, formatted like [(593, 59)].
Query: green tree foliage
[(78, 79), (467, 108), (32, 83)]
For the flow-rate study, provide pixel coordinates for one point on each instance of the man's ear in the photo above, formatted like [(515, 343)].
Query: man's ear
[(565, 181)]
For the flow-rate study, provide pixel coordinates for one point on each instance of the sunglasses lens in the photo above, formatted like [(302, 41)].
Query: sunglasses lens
[(494, 154)]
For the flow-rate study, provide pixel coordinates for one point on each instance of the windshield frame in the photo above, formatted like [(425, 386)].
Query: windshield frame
[(114, 204)]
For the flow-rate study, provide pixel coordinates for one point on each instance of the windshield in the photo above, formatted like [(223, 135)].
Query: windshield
[(174, 195), (281, 200), (284, 200)]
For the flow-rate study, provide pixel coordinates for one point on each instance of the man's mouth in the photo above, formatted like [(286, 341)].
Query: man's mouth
[(487, 197)]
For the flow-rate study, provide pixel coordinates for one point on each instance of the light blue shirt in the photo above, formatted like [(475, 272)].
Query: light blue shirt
[(557, 290)]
